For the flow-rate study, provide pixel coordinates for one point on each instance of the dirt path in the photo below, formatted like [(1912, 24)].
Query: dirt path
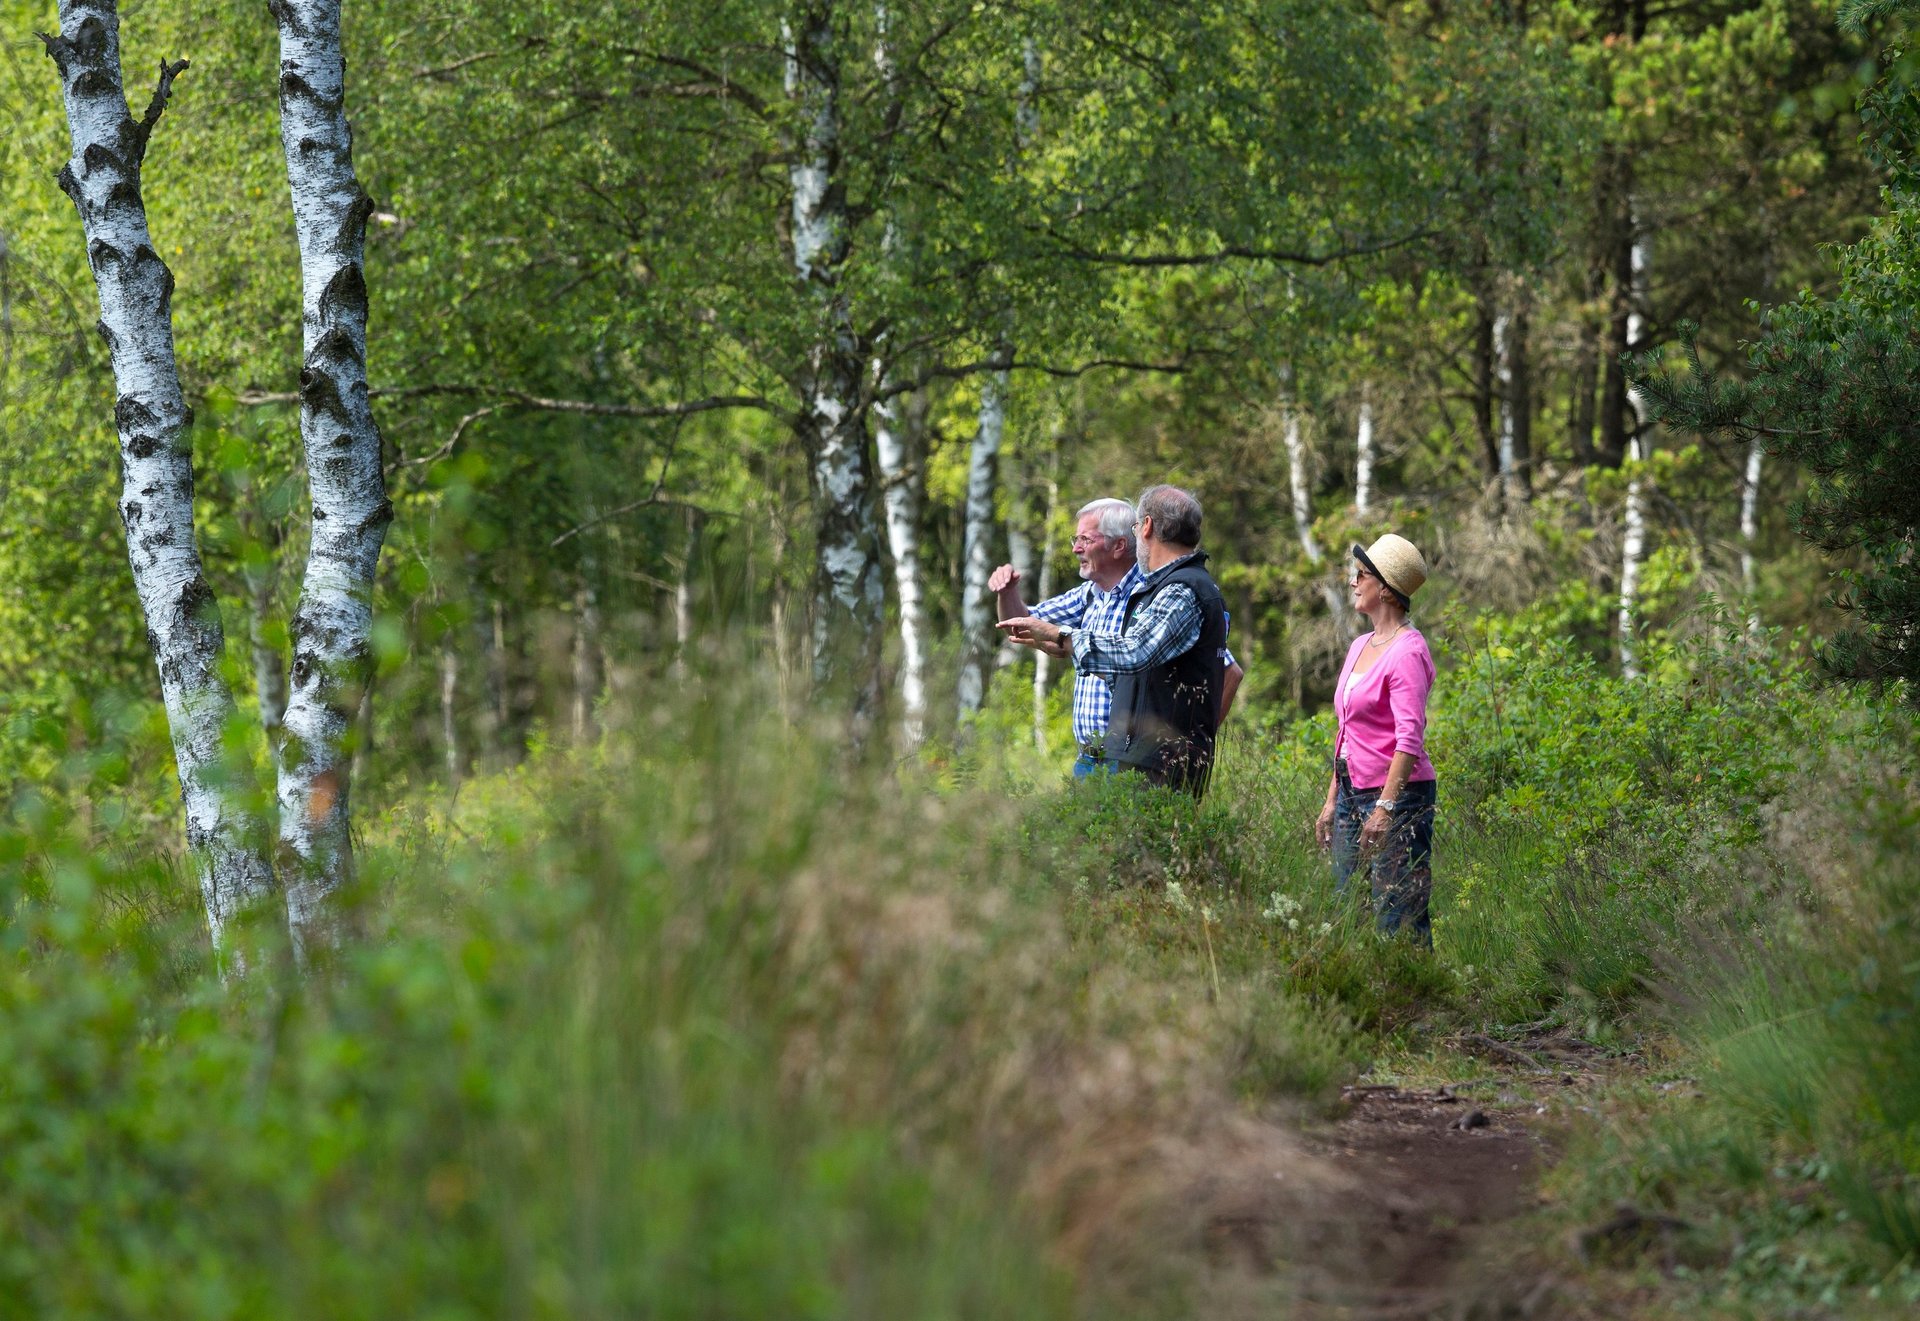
[(1428, 1172)]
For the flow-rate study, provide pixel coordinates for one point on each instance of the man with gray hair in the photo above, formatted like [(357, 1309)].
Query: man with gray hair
[(1167, 664)]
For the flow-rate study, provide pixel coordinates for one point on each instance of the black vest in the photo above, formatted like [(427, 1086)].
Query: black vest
[(1164, 719)]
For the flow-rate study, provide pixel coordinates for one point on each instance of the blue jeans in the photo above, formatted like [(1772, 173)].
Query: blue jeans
[(1401, 872), (1086, 764)]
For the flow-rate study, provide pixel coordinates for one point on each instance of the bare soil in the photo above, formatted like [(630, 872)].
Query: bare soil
[(1428, 1172)]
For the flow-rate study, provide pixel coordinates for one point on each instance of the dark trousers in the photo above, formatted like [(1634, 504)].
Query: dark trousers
[(1400, 872)]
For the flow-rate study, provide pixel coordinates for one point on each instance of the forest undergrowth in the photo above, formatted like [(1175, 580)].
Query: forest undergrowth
[(704, 1021)]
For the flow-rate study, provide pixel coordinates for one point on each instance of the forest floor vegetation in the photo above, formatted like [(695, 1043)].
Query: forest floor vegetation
[(703, 1020)]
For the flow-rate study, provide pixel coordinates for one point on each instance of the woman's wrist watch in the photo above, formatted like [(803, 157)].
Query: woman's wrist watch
[(1388, 805)]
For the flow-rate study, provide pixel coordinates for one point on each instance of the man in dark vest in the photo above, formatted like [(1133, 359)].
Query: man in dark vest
[(1167, 665)]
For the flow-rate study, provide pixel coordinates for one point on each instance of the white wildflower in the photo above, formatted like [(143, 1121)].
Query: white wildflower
[(1177, 898)]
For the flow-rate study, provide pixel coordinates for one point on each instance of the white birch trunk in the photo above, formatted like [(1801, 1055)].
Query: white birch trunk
[(849, 597), (976, 602), (228, 840), (1302, 498), (1503, 377), (333, 622), (1633, 540), (1043, 663), (1298, 488), (900, 496), (1363, 463), (1750, 529), (683, 602)]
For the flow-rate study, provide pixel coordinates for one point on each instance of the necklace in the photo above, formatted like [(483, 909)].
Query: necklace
[(1381, 642)]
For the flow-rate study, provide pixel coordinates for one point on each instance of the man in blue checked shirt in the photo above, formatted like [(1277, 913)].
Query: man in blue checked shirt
[(1103, 543)]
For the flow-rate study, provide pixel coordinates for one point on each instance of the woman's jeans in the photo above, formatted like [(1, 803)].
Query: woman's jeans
[(1401, 874)]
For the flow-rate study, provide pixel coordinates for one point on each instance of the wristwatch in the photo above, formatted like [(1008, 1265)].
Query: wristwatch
[(1066, 638), (1388, 805)]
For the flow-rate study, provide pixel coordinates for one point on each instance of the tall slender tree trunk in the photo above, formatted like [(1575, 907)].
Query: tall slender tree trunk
[(498, 689), (1502, 392), (1750, 530), (1302, 499), (333, 622), (1485, 366), (1519, 388), (586, 650), (849, 596), (450, 711), (683, 598), (976, 602), (1633, 538), (1363, 460), (1043, 663), (902, 475), (228, 838)]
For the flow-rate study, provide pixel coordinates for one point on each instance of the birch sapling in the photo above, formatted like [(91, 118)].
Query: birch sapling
[(226, 832), (332, 624)]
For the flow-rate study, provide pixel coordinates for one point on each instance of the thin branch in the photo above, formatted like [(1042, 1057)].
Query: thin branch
[(1237, 252), (957, 371), (155, 108), (510, 398)]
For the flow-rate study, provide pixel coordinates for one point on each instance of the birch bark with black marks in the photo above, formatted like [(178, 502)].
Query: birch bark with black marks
[(901, 475), (227, 837), (332, 624), (1633, 540), (897, 431), (976, 602), (849, 597)]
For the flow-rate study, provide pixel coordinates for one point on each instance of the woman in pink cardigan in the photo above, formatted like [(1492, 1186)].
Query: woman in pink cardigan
[(1379, 809)]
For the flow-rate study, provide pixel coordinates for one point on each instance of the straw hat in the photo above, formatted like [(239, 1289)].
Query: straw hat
[(1396, 562)]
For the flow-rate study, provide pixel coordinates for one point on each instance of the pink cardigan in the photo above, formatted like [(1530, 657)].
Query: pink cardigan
[(1387, 710)]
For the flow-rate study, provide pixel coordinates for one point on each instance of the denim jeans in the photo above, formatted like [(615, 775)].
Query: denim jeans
[(1401, 871), (1085, 764)]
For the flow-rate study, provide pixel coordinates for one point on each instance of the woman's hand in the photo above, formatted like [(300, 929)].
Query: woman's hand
[(1373, 832), (1323, 828)]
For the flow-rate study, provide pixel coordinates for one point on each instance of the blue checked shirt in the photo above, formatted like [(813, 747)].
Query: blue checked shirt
[(1089, 611)]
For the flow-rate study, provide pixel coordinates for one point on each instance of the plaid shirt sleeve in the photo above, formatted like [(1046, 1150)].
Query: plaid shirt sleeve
[(1068, 609), (1168, 626)]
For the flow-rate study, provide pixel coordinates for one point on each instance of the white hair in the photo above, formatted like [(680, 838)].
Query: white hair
[(1116, 517)]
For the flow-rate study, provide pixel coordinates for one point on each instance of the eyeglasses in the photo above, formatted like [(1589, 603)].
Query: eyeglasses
[(1358, 574), (1080, 542)]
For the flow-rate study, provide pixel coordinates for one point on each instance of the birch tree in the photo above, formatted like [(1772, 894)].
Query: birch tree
[(976, 609), (848, 598), (1363, 455), (1633, 539), (333, 621), (1302, 504), (1750, 527), (226, 834)]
